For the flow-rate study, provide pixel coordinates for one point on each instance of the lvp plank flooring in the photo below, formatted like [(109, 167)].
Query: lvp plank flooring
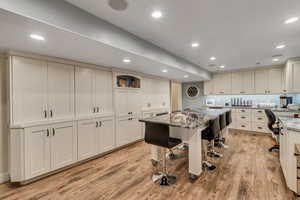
[(246, 172)]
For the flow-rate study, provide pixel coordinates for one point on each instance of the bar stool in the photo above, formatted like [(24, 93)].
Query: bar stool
[(159, 135), (221, 139), (228, 120), (208, 136)]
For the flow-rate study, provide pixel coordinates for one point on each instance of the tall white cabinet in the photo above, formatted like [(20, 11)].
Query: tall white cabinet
[(93, 92), (40, 91), (291, 76)]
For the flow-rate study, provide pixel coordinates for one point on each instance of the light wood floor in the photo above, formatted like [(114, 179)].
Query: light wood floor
[(246, 172)]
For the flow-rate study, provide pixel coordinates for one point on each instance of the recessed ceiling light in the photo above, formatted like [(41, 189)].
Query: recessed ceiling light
[(126, 60), (156, 14), (186, 76), (212, 58), (291, 20), (281, 46), (195, 44), (164, 71), (222, 66), (37, 37), (275, 59)]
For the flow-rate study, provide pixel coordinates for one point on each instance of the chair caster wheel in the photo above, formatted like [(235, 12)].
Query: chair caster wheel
[(154, 163)]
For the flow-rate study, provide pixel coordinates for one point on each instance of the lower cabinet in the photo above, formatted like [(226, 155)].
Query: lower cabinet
[(128, 130), (95, 136), (38, 150)]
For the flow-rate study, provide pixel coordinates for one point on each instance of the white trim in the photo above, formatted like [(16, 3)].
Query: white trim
[(4, 177)]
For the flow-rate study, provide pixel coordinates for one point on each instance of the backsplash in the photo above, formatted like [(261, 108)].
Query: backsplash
[(199, 100)]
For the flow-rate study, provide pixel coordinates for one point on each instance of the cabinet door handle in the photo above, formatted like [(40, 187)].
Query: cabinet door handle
[(45, 113), (129, 113), (48, 132), (243, 117), (51, 113), (259, 127), (94, 110), (97, 124), (53, 131), (100, 123), (243, 126), (98, 109)]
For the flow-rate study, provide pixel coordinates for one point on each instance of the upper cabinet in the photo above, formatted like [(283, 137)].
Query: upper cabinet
[(291, 76), (93, 92), (242, 82), (40, 91), (269, 81), (209, 87), (222, 83)]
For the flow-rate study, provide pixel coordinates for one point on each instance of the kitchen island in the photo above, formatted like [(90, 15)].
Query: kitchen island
[(186, 125)]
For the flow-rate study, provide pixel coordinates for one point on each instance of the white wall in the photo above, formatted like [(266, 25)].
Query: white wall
[(3, 123)]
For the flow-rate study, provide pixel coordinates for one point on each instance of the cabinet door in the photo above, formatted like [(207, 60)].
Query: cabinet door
[(295, 77), (261, 81), (208, 87), (103, 91), (226, 83), (248, 82), (29, 90), (134, 102), (84, 91), (61, 91), (106, 135), (63, 145), (135, 128), (123, 131), (37, 151), (217, 83), (275, 81), (121, 98), (86, 139), (237, 83)]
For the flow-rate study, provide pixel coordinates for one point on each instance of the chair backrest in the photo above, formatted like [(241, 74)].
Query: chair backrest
[(215, 127), (222, 119), (157, 134), (228, 118), (271, 118)]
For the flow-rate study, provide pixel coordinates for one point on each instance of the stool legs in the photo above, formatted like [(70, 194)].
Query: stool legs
[(205, 163), (212, 152), (163, 178)]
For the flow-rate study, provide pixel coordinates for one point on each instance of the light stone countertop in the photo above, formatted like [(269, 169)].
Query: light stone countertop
[(290, 123)]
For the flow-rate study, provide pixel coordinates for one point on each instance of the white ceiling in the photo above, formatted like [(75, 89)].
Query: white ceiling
[(239, 33), (15, 31)]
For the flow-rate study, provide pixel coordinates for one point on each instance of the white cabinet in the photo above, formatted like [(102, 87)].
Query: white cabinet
[(129, 129), (95, 136), (93, 92), (222, 83), (37, 151), (60, 91), (269, 81), (128, 102), (292, 74), (209, 87), (106, 135), (242, 82), (41, 91), (87, 146), (63, 145), (28, 90), (47, 148)]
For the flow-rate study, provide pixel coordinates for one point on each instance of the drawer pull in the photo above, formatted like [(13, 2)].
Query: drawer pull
[(259, 111), (259, 127), (296, 154), (243, 126), (243, 117), (243, 111), (298, 177), (259, 118)]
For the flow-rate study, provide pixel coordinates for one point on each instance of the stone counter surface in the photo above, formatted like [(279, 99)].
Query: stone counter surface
[(191, 118), (290, 123)]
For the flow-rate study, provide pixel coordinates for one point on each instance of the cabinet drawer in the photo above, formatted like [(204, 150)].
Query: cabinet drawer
[(259, 119), (243, 126), (259, 112), (244, 110), (260, 127), (244, 117)]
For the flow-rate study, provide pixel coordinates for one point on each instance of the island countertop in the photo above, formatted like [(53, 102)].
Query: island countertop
[(190, 118)]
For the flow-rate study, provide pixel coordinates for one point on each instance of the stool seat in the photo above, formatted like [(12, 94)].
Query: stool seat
[(174, 142)]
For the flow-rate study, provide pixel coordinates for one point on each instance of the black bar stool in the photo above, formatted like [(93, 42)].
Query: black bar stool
[(208, 136), (275, 130), (221, 139), (159, 135)]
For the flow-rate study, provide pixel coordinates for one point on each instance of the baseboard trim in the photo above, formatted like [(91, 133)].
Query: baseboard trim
[(4, 177)]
